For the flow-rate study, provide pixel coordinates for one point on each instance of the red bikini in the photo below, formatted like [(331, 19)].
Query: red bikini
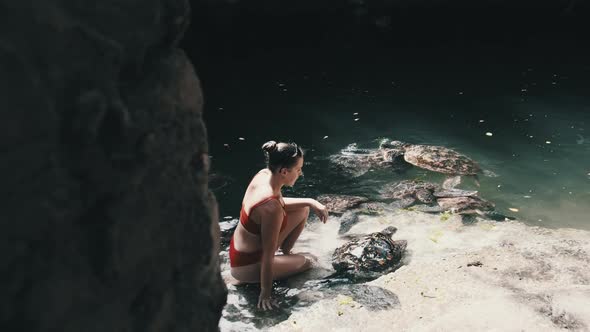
[(237, 258)]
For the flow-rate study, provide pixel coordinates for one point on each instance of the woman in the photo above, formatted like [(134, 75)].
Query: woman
[(269, 222)]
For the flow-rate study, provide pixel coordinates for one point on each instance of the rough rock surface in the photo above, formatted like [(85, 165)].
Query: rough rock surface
[(107, 222)]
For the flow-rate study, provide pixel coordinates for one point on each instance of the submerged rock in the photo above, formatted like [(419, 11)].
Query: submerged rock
[(227, 228)]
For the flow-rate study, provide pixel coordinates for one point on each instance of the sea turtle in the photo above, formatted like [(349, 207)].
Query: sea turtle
[(467, 206), (357, 161), (434, 158), (370, 255), (433, 198), (338, 204), (348, 208), (408, 192)]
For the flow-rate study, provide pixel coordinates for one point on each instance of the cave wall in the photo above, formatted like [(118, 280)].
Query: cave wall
[(107, 222)]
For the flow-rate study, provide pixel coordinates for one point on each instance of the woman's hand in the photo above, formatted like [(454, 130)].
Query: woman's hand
[(265, 302), (320, 210)]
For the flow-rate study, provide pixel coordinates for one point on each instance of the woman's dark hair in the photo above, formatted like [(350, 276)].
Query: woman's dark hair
[(281, 155)]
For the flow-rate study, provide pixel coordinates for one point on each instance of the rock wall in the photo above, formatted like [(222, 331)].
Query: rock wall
[(107, 222)]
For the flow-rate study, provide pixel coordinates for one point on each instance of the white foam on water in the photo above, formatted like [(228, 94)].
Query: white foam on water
[(524, 278)]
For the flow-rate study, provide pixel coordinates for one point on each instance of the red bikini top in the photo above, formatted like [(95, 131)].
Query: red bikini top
[(253, 227)]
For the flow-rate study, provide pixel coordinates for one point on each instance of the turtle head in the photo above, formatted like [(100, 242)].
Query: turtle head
[(386, 143), (389, 230)]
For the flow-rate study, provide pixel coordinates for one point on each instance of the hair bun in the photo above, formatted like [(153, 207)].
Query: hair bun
[(269, 146)]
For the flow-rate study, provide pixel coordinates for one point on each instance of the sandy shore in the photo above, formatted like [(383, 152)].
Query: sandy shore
[(485, 276)]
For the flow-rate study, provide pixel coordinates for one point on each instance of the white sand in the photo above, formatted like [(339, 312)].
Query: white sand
[(531, 279)]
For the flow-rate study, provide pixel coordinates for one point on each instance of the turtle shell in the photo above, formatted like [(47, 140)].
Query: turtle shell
[(440, 159), (465, 205), (375, 252), (339, 204), (423, 191)]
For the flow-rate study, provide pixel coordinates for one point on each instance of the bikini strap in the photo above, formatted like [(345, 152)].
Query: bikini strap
[(266, 200)]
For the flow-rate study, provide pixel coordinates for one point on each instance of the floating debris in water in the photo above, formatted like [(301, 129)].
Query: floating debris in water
[(325, 137), (526, 196), (513, 209), (499, 186), (481, 121), (356, 113), (220, 108), (356, 119), (547, 142), (226, 145), (489, 134), (241, 138)]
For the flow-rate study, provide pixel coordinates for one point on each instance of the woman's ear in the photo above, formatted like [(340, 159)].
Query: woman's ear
[(283, 171)]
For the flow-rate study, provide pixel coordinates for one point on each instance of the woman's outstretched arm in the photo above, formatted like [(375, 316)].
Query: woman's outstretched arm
[(296, 203), (270, 224)]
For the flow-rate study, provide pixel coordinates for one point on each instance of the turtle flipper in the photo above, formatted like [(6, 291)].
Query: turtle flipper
[(476, 179), (468, 218), (428, 208), (453, 192), (493, 215), (347, 220)]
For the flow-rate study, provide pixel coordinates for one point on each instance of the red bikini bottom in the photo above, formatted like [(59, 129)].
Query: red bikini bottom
[(237, 258)]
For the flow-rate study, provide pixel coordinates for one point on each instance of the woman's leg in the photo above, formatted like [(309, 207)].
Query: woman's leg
[(283, 266), (295, 223)]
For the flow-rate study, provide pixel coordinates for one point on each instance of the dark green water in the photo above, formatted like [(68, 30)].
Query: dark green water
[(534, 102)]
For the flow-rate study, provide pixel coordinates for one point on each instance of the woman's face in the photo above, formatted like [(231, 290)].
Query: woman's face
[(293, 173)]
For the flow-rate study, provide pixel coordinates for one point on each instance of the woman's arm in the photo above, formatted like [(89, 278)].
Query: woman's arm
[(297, 203), (270, 224)]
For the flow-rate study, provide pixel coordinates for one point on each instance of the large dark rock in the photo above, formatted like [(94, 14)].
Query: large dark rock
[(107, 223)]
